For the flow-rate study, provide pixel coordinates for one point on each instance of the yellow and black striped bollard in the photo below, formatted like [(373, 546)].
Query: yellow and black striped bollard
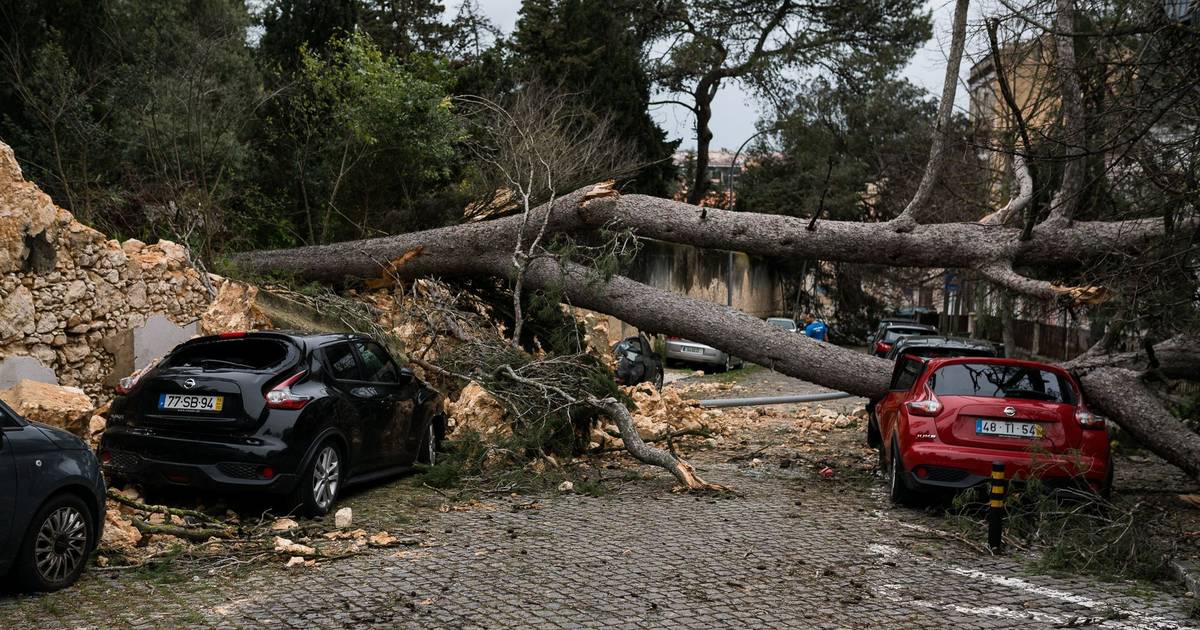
[(996, 508)]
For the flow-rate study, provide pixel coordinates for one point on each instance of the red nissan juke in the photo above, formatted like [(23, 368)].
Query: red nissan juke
[(945, 420)]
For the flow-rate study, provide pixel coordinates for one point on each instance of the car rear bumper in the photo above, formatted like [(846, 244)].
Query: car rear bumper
[(709, 356), (161, 461), (939, 466)]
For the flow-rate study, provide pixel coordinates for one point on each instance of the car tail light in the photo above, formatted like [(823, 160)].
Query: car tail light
[(882, 347), (672, 338), (1088, 420), (267, 472), (126, 385), (233, 334), (282, 397), (927, 406)]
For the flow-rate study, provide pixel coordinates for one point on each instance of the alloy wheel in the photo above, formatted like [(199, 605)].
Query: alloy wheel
[(326, 477), (61, 544)]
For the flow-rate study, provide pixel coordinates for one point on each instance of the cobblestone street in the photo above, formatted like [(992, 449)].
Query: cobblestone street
[(794, 550)]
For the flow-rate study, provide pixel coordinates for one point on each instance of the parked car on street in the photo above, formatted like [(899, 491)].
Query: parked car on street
[(945, 420), (295, 415), (943, 346), (889, 332), (887, 320), (637, 362), (695, 353), (785, 323), (51, 503)]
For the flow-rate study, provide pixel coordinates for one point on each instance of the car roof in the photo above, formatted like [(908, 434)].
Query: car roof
[(781, 319), (944, 341), (305, 339), (909, 324), (937, 362)]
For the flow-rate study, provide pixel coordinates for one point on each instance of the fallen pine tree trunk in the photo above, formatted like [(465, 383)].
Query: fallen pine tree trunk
[(479, 250)]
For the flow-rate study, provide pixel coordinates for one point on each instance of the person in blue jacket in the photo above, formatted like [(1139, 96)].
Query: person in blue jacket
[(815, 328)]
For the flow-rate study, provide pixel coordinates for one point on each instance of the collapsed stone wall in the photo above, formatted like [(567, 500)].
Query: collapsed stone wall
[(67, 292)]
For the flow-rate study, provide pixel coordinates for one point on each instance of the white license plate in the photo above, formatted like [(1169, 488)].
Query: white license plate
[(691, 350), (189, 402), (1009, 428)]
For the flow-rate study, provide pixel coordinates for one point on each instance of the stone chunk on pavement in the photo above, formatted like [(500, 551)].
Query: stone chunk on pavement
[(56, 405), (343, 518)]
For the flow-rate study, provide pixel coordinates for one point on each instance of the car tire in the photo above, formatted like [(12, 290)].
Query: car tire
[(898, 491), (428, 448), (56, 547), (1106, 489), (874, 440), (317, 491)]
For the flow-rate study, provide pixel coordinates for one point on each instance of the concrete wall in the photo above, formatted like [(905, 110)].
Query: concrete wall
[(750, 283)]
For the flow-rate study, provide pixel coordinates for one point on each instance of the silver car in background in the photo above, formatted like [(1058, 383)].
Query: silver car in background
[(696, 353), (785, 323)]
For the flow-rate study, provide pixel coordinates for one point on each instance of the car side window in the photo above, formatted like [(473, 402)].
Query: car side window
[(906, 374), (7, 419), (342, 364), (378, 367)]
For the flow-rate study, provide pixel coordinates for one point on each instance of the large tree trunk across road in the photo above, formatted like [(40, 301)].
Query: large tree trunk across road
[(482, 249)]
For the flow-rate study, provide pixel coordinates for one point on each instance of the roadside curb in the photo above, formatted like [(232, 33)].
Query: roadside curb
[(1187, 573)]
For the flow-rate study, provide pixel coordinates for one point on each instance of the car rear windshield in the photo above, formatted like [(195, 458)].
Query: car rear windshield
[(231, 354), (894, 334), (1001, 381), (785, 324)]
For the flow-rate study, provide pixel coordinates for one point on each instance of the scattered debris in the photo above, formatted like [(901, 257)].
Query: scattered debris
[(382, 539), (566, 486), (284, 524), (343, 518), (300, 561), (283, 545)]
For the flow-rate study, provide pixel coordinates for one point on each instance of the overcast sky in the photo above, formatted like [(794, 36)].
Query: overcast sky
[(734, 110)]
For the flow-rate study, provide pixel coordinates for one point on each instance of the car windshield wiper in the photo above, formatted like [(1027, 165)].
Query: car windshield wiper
[(214, 363), (1028, 393)]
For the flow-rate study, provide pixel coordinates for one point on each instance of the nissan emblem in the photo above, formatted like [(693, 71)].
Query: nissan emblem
[(1008, 411), (191, 382)]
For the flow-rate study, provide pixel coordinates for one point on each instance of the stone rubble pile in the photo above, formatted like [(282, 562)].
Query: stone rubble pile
[(66, 289), (64, 407)]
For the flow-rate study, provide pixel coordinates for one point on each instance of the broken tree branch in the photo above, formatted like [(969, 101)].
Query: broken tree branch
[(616, 411), (1066, 198), (194, 534), (160, 509)]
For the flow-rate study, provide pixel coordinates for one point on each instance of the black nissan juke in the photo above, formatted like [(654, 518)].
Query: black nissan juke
[(296, 415)]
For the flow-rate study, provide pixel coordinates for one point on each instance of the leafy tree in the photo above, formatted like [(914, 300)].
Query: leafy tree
[(290, 25), (363, 138), (765, 43), (593, 49), (403, 28), (133, 115)]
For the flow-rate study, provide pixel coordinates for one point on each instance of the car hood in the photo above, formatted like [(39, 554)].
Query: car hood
[(60, 438)]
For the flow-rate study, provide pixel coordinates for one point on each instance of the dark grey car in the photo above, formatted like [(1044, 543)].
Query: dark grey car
[(51, 503)]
